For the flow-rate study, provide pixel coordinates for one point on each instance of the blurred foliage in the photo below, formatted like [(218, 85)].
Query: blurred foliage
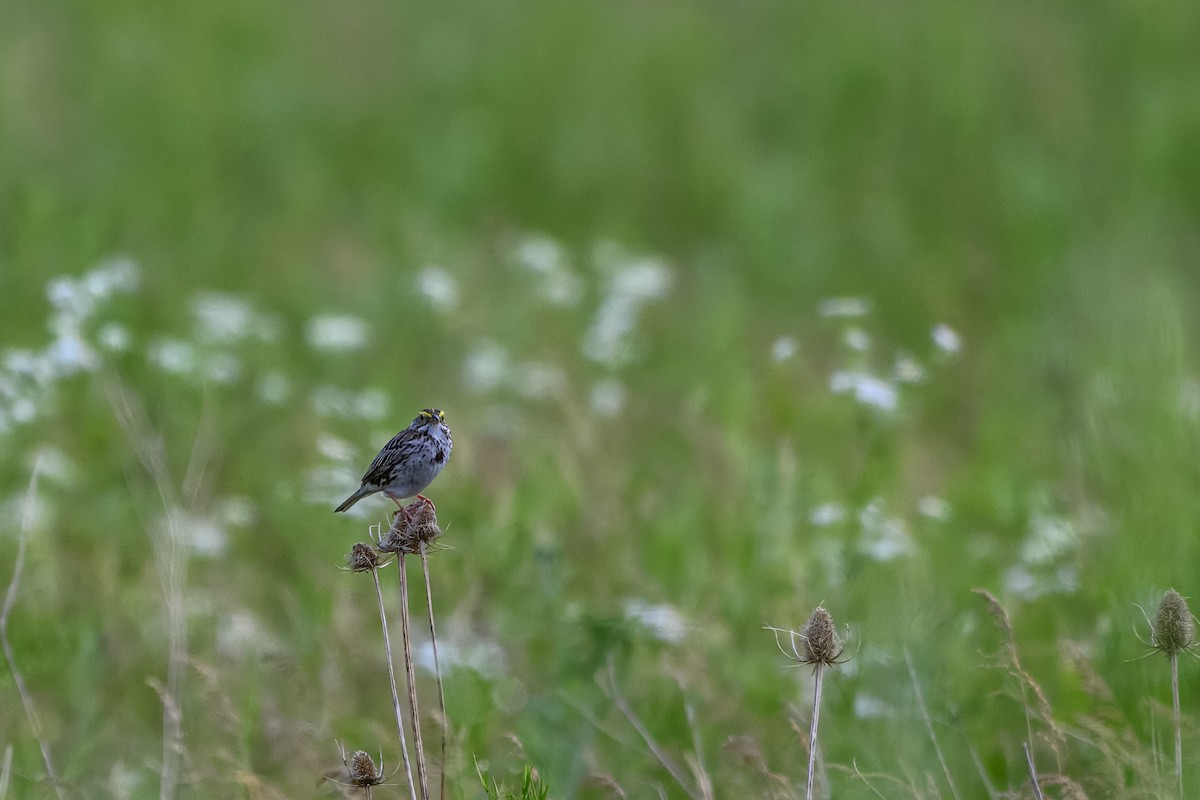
[(1027, 174)]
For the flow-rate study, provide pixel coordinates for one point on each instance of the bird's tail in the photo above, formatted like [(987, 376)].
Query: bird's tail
[(352, 499)]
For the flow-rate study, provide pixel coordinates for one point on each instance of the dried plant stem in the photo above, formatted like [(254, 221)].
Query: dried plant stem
[(387, 646), (668, 764), (912, 672), (818, 680), (437, 668), (10, 600), (1033, 778), (1178, 724), (170, 560), (414, 713)]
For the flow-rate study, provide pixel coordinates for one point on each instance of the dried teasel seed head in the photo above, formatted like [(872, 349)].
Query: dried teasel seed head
[(362, 769), (362, 558), (821, 642), (1172, 628), (413, 524), (400, 537), (424, 524)]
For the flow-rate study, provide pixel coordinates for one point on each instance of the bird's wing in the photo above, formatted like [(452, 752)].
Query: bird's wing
[(391, 453)]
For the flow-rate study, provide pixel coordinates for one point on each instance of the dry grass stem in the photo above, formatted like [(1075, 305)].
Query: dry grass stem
[(924, 711), (1172, 631), (699, 770), (170, 557), (667, 762), (437, 666), (818, 645), (363, 558), (10, 600), (410, 672), (1024, 679), (1033, 778)]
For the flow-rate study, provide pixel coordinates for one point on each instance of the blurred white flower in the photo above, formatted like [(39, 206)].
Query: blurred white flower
[(783, 349), (438, 287), (867, 389), (370, 404), (330, 401), (608, 398), (221, 368), (1049, 537), (172, 355), (827, 514), (112, 276), (240, 633), (237, 510), (607, 340), (633, 284), (536, 380), (884, 538), (663, 621), (933, 507), (202, 535), (844, 307), (274, 388), (462, 649), (486, 367), (908, 370), (69, 353), (558, 285), (646, 279), (334, 448), (540, 254), (221, 318), (867, 706), (858, 339), (55, 464), (114, 337), (946, 339), (337, 332)]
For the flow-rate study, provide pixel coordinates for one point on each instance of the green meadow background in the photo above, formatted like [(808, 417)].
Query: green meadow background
[(734, 310)]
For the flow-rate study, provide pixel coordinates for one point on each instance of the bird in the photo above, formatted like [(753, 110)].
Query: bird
[(409, 462)]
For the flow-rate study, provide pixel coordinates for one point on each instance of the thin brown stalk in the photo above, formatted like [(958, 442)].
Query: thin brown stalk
[(414, 713), (387, 646), (1033, 778), (10, 600), (818, 679), (1178, 724), (437, 668), (912, 672)]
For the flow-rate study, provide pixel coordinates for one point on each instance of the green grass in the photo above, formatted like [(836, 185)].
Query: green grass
[(1027, 174)]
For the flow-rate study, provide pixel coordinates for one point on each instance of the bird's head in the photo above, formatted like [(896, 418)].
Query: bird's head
[(429, 417)]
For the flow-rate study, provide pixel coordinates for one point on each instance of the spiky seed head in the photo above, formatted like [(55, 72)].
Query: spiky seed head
[(424, 523), (821, 642), (362, 770), (362, 558), (413, 524), (1172, 628)]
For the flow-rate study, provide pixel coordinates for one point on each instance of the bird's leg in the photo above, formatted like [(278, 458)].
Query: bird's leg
[(427, 501), (400, 509)]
